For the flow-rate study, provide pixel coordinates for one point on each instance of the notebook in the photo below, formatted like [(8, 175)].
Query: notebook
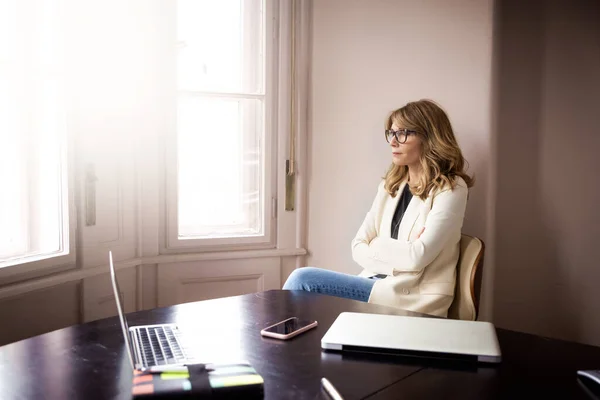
[(413, 336)]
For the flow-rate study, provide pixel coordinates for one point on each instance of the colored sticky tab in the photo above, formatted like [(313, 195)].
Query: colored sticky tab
[(236, 369), (174, 375), (141, 379), (238, 380), (142, 389)]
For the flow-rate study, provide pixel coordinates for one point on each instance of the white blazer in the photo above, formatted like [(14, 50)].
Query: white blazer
[(422, 271)]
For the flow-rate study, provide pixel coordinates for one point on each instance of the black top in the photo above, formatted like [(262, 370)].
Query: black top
[(405, 198)]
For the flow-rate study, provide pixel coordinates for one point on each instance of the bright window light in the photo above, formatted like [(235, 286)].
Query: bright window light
[(33, 204), (220, 118)]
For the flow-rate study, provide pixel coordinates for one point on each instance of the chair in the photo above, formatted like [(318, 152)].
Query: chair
[(469, 271)]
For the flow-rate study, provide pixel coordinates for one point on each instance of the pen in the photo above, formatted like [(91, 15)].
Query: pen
[(331, 390)]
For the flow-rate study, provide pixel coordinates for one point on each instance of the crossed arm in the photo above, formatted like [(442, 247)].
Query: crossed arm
[(381, 255)]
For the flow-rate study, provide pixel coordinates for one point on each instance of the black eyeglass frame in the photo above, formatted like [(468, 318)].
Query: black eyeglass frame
[(397, 134)]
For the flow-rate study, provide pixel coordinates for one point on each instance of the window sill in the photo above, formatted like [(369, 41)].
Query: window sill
[(34, 267), (38, 283), (223, 255)]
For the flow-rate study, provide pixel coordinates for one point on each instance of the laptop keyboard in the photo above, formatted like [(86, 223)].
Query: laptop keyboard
[(160, 345)]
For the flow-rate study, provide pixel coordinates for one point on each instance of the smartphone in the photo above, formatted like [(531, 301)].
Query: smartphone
[(288, 328)]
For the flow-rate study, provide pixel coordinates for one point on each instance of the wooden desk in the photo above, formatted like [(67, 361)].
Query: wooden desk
[(88, 361)]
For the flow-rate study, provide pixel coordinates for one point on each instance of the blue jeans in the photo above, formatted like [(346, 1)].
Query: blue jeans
[(330, 283)]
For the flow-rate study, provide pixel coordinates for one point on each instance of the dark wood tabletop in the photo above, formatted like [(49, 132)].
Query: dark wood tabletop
[(89, 361)]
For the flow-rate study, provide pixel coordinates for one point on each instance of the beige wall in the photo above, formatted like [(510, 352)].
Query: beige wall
[(531, 133), (370, 57), (548, 137)]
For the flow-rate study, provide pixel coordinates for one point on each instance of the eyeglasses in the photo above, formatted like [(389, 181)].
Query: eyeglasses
[(401, 135)]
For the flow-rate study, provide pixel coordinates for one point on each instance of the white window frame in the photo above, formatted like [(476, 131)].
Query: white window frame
[(170, 242), (23, 267), (19, 268)]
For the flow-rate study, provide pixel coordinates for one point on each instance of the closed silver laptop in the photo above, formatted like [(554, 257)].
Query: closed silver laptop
[(413, 336)]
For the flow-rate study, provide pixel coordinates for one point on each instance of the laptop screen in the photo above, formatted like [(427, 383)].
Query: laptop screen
[(117, 292)]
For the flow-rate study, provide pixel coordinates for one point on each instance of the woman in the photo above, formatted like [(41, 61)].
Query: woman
[(408, 244)]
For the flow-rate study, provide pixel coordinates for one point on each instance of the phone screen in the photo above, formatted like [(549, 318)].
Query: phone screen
[(288, 326)]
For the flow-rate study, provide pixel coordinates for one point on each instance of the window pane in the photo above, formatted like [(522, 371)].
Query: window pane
[(219, 154), (46, 178), (220, 45), (13, 202), (220, 167), (33, 209)]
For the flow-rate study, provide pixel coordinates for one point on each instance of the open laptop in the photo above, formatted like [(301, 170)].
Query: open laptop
[(413, 336), (150, 347)]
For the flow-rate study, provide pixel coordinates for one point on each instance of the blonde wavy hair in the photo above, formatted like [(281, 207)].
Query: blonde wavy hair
[(441, 159)]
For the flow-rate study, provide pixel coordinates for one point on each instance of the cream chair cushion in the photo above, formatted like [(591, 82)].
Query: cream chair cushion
[(464, 304)]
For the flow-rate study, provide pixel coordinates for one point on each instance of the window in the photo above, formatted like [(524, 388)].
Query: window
[(220, 191), (34, 206)]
